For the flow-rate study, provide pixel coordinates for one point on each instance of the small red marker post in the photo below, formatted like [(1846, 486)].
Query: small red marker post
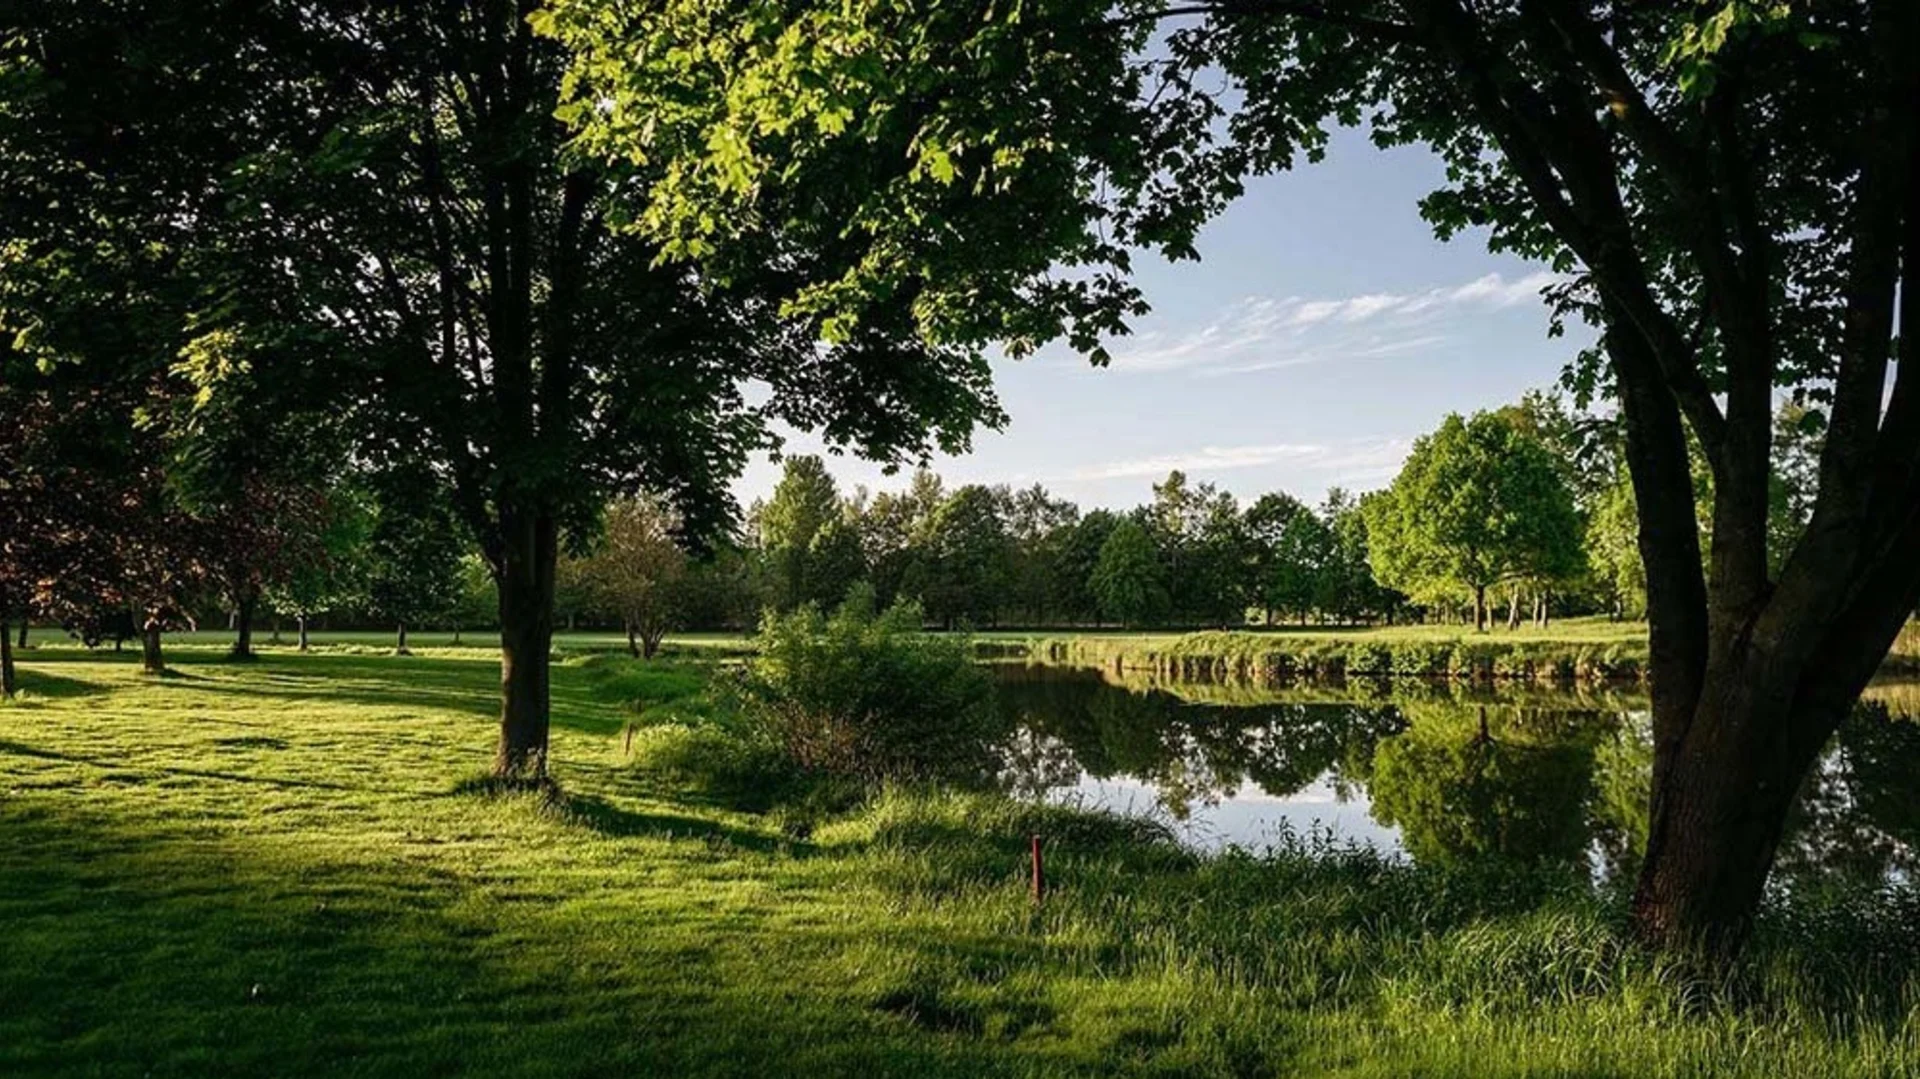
[(1039, 873)]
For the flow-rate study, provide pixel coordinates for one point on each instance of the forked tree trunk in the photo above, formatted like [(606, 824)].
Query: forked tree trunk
[(528, 552), (650, 642), (243, 627), (1513, 611), (633, 640), (152, 659)]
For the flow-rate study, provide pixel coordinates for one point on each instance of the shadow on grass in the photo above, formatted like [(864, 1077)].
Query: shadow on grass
[(135, 949), (598, 815), (38, 683), (470, 686)]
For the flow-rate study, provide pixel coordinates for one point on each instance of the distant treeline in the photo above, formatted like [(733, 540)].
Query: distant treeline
[(1527, 506)]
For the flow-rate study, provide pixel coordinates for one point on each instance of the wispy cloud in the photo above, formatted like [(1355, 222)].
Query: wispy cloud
[(1263, 333), (1344, 462)]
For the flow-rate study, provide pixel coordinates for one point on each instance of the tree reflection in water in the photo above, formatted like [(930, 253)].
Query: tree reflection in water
[(1460, 779)]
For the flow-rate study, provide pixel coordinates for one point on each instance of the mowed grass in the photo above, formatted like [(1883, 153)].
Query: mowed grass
[(280, 868)]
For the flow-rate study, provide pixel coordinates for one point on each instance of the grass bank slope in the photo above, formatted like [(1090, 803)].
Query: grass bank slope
[(281, 868), (1582, 650)]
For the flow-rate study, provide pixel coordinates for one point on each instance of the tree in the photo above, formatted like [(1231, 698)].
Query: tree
[(893, 528), (478, 603), (394, 182), (414, 550), (1071, 589), (1478, 502), (968, 569), (1038, 525), (1291, 554), (335, 571), (639, 571), (1727, 188), (803, 503), (1126, 581)]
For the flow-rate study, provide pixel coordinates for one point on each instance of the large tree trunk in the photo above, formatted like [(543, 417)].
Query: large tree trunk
[(152, 659), (400, 641), (243, 627), (529, 548), (8, 682), (1718, 815), (304, 641)]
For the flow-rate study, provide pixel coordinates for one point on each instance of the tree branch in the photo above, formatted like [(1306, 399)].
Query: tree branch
[(1380, 30)]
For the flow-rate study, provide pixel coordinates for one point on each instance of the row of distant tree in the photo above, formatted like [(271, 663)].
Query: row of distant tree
[(1528, 504)]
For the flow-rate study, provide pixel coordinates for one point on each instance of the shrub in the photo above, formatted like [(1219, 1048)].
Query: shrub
[(872, 696)]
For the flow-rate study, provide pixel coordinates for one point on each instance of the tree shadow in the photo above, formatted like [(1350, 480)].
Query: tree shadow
[(38, 683), (136, 947)]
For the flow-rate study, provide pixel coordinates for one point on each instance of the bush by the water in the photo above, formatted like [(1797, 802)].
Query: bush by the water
[(871, 696)]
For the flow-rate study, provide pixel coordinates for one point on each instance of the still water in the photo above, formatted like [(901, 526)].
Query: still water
[(1431, 772)]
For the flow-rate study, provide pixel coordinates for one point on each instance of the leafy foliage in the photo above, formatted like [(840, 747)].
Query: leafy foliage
[(871, 696)]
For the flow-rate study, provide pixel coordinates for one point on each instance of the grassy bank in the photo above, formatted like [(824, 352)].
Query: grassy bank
[(282, 869), (1586, 650)]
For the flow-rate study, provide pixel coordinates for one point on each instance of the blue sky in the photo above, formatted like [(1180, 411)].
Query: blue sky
[(1323, 329)]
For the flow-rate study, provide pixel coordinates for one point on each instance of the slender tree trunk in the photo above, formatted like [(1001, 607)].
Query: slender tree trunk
[(456, 633), (400, 641), (633, 640), (304, 641), (275, 623), (243, 627), (22, 642), (1513, 611), (152, 659), (9, 684), (529, 549), (1480, 608)]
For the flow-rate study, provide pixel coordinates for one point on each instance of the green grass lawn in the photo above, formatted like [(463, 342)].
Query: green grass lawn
[(281, 868)]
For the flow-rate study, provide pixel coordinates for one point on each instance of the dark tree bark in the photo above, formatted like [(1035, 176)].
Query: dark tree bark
[(22, 642), (400, 641), (633, 640), (9, 683), (152, 659), (650, 642), (1480, 616), (243, 627), (529, 552), (1751, 673)]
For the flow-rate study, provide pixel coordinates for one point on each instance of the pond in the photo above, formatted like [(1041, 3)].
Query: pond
[(1437, 773)]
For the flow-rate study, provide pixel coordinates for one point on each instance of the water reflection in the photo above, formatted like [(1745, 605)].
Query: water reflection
[(1442, 778)]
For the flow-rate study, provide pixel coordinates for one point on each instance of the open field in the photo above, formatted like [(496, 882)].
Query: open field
[(280, 868)]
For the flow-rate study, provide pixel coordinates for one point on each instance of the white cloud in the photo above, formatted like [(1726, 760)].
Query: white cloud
[(1348, 462), (1264, 333)]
